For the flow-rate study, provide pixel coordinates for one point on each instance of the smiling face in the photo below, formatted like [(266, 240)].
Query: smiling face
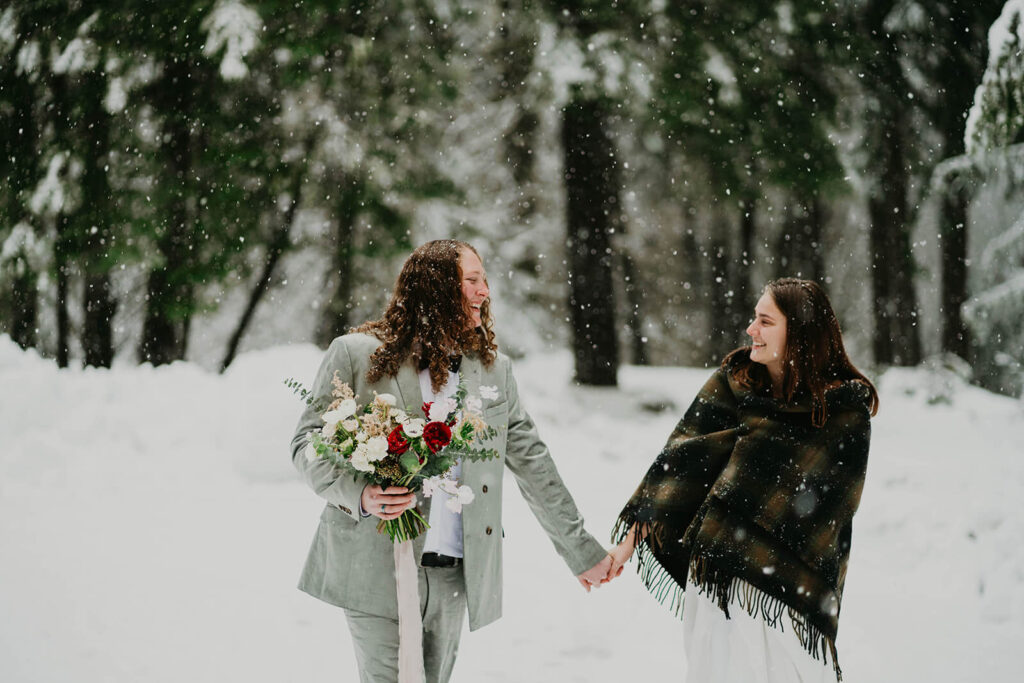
[(474, 284), (768, 335)]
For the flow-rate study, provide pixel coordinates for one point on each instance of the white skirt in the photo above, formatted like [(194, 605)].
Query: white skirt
[(743, 649)]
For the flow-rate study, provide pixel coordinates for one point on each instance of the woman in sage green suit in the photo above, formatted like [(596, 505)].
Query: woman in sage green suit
[(438, 317)]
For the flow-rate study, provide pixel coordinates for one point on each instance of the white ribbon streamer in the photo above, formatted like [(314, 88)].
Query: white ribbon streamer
[(410, 623)]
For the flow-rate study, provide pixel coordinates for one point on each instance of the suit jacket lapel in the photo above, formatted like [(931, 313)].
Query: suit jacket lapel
[(410, 398), (471, 373)]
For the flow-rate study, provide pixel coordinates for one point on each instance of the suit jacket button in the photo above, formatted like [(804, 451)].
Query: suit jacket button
[(484, 488), (488, 531)]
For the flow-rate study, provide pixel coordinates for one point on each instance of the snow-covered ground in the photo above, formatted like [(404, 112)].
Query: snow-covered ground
[(152, 529)]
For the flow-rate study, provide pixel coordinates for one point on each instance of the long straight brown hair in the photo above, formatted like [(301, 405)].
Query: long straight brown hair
[(427, 318), (815, 358)]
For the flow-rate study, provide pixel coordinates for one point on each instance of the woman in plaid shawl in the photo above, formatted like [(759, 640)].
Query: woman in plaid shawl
[(750, 503)]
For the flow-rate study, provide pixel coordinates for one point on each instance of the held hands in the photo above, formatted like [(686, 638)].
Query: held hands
[(387, 504), (596, 575), (620, 555), (611, 566)]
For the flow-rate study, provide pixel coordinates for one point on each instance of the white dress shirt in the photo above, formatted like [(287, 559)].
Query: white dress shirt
[(445, 533)]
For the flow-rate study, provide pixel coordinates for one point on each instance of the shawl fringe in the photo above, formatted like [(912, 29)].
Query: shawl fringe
[(723, 588), (653, 574)]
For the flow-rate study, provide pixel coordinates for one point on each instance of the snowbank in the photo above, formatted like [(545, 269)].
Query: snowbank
[(153, 530)]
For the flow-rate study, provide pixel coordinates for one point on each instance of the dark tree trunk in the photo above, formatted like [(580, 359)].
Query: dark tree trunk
[(97, 332), (275, 250), (953, 243), (21, 308), (335, 319), (799, 251), (61, 266), (726, 323), (634, 298), (62, 239), (24, 298), (592, 201), (514, 53), (896, 339), (169, 296), (815, 232), (960, 69), (100, 306), (746, 291)]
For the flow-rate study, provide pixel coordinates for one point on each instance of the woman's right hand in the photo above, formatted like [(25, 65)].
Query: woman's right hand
[(621, 553), (387, 503)]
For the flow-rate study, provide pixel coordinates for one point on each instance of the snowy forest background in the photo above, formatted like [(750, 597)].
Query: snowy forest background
[(230, 184), (189, 180)]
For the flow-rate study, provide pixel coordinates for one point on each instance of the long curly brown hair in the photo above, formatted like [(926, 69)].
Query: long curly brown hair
[(428, 319), (815, 358)]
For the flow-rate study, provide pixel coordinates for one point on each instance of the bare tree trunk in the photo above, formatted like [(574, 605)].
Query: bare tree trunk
[(634, 298), (816, 216), (21, 308), (960, 68), (24, 297), (169, 297), (799, 251), (335, 320), (724, 321), (97, 332), (61, 266), (892, 266), (746, 291), (896, 339), (100, 307), (953, 235), (62, 238), (592, 198), (275, 250)]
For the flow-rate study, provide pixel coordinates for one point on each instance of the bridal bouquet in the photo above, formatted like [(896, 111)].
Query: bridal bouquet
[(392, 447)]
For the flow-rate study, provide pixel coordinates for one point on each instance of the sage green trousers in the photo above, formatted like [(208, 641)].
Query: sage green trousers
[(443, 608)]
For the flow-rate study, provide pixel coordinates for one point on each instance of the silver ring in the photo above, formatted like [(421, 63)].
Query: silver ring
[(383, 508)]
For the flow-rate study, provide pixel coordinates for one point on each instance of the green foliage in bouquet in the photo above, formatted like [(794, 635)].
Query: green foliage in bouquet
[(385, 445)]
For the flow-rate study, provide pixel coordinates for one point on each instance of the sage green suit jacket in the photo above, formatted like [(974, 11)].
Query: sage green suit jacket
[(352, 566)]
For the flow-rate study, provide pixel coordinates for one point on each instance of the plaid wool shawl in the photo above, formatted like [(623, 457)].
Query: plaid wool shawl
[(753, 504)]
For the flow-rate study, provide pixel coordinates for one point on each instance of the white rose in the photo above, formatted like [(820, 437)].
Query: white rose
[(360, 459), (413, 427), (386, 399), (399, 416), (350, 425), (328, 430), (346, 408), (310, 452), (361, 437), (377, 448), (439, 411)]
